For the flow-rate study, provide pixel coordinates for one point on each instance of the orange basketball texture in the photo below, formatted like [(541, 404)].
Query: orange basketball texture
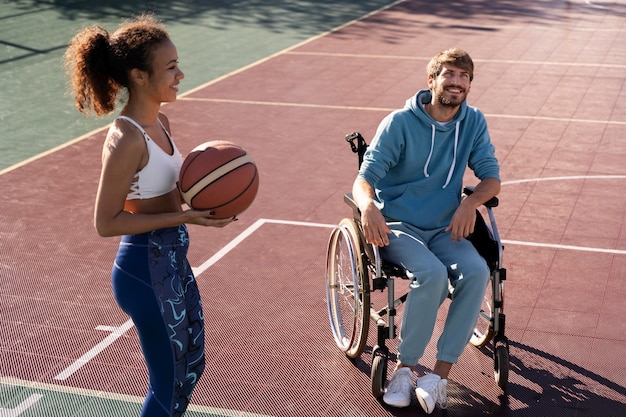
[(219, 176)]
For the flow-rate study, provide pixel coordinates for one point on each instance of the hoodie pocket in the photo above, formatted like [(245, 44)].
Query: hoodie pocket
[(424, 208)]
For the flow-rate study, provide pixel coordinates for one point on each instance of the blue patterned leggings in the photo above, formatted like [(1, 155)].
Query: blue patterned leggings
[(154, 284)]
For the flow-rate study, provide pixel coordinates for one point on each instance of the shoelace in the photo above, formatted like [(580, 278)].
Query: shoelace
[(402, 382)]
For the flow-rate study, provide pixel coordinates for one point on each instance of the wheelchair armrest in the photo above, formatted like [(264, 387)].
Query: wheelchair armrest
[(347, 198), (493, 202)]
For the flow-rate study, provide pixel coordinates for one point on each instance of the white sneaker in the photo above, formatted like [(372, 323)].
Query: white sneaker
[(398, 392), (431, 390)]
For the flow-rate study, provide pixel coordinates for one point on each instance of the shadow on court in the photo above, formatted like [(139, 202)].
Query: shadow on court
[(269, 344)]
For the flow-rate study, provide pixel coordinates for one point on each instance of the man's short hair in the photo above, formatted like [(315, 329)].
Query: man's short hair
[(453, 56)]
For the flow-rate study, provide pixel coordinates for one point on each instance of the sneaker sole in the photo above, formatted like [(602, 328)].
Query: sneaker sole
[(424, 406), (397, 405)]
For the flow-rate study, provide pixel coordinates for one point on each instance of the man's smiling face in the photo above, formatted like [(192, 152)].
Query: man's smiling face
[(451, 87)]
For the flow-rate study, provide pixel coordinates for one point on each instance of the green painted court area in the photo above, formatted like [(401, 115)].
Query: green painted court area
[(277, 78), (25, 399), (213, 38)]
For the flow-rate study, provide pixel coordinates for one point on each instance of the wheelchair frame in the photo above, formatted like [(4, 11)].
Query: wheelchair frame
[(351, 260)]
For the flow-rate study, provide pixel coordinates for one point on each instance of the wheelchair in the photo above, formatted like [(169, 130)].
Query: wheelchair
[(355, 269)]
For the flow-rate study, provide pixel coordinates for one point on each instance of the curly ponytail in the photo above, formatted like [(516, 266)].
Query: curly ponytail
[(98, 63)]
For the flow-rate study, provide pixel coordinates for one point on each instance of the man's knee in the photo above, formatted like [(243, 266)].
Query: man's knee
[(473, 274), (433, 276)]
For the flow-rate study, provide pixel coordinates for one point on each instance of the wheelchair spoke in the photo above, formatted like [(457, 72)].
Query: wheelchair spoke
[(344, 288)]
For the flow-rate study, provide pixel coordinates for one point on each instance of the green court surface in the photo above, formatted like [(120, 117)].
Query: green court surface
[(25, 399), (213, 38), (259, 72)]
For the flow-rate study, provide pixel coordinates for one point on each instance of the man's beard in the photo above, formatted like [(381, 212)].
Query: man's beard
[(447, 102)]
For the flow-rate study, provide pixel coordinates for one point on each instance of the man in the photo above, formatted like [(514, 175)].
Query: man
[(409, 192)]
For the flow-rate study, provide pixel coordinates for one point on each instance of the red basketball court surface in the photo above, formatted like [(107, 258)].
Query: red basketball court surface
[(550, 78)]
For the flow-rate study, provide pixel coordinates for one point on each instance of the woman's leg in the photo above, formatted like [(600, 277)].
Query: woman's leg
[(154, 285)]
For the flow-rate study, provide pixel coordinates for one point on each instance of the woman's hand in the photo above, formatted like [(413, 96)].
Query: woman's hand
[(204, 218)]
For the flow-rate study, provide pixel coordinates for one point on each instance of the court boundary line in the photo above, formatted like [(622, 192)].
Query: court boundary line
[(477, 60), (119, 331), (21, 407), (289, 50), (245, 234), (94, 351), (207, 84), (113, 396), (341, 107), (565, 178)]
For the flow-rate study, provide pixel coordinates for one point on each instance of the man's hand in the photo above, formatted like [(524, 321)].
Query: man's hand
[(375, 227), (463, 222), (464, 218)]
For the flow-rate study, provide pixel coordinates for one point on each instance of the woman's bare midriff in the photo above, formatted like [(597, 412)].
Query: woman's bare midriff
[(167, 203)]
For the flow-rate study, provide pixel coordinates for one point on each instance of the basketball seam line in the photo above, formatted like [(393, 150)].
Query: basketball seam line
[(216, 174), (242, 193)]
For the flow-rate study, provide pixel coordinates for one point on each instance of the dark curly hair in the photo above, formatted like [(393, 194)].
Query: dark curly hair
[(99, 63)]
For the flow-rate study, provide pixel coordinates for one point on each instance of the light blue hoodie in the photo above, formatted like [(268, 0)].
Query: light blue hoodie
[(416, 165)]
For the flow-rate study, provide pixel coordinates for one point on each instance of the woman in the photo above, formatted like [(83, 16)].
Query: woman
[(138, 199)]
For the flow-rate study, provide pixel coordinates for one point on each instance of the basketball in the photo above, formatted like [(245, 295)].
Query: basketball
[(219, 176)]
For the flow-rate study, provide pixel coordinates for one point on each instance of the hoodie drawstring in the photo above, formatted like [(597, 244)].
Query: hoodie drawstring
[(456, 142), (432, 147)]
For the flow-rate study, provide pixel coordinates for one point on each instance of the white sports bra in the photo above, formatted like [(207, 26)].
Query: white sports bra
[(160, 174)]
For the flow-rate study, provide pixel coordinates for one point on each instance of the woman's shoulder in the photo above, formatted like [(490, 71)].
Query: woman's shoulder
[(123, 136)]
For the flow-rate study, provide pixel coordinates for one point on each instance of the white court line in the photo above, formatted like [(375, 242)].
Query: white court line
[(572, 177), (389, 109), (83, 360), (200, 87), (557, 246), (63, 389), (287, 104), (288, 49), (427, 59), (119, 331), (243, 235), (565, 247), (23, 406)]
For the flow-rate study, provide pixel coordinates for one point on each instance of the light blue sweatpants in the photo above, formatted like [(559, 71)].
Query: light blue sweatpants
[(434, 259)]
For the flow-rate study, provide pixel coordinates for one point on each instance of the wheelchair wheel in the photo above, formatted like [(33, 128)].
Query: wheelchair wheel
[(347, 289), (483, 332), (501, 365), (379, 371)]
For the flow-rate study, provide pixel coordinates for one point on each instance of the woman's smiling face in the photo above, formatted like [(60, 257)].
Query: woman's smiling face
[(165, 75)]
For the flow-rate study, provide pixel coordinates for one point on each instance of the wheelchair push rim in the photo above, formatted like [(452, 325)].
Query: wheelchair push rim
[(347, 289)]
